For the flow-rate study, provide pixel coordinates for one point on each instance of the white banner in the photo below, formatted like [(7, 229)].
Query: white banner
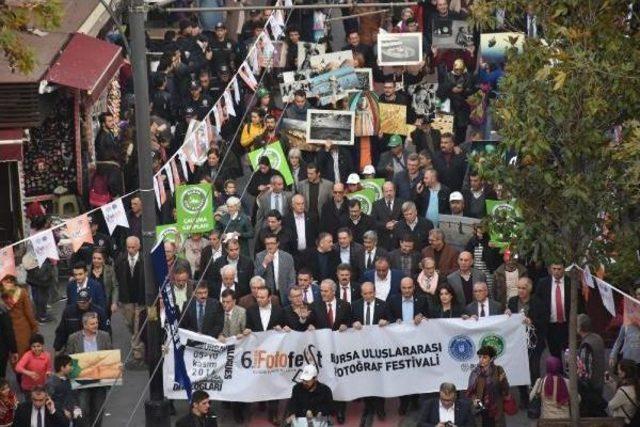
[(389, 361), (115, 215)]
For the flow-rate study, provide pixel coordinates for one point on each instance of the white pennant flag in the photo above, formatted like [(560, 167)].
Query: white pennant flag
[(167, 171), (236, 89), (156, 189), (183, 163), (247, 75), (114, 215), (216, 117), (607, 296), (288, 3), (587, 277), (228, 102), (44, 246)]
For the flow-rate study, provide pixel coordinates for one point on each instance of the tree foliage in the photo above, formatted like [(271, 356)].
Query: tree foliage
[(569, 109), (18, 16)]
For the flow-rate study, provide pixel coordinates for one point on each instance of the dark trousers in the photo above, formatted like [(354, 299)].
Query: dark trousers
[(339, 407), (40, 298), (406, 401), (91, 401), (373, 405), (4, 358), (558, 338)]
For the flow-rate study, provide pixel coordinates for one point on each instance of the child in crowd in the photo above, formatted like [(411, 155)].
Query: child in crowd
[(35, 365), (59, 387), (8, 404)]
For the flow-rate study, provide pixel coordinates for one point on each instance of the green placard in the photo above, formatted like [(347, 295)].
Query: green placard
[(374, 184), (194, 205), (366, 197), (277, 158), (168, 233), (507, 221)]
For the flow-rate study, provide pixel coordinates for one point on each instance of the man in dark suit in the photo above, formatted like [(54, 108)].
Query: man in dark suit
[(386, 212), (407, 180), (264, 317), (335, 210), (81, 280), (447, 409), (476, 195), (451, 167), (323, 258), (411, 223), (406, 258), (554, 293), (203, 314), (350, 252), (462, 280), (276, 267), (302, 228), (334, 314), (273, 225), (394, 160), (370, 310), (41, 408), (198, 416), (274, 199), (244, 269), (386, 280), (482, 306), (371, 254), (332, 159), (211, 253), (358, 222), (348, 290)]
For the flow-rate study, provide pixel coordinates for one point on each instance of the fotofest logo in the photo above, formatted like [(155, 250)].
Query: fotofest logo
[(193, 200), (494, 340), (461, 348)]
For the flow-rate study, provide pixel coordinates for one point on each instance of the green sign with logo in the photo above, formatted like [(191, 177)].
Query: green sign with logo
[(168, 233), (374, 184), (507, 222), (366, 198), (194, 205), (276, 157)]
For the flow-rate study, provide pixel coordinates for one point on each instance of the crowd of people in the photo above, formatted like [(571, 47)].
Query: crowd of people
[(305, 256)]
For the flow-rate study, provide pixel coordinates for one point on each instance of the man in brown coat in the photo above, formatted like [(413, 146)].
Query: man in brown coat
[(446, 256)]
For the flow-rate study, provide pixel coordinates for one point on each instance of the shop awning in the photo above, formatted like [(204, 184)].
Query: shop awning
[(86, 63), (11, 145)]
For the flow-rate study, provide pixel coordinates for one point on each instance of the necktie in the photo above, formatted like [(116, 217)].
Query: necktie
[(304, 297), (344, 293), (389, 205), (330, 314), (559, 303), (132, 264), (226, 329), (200, 316), (277, 202), (482, 314), (39, 418), (369, 261), (367, 316)]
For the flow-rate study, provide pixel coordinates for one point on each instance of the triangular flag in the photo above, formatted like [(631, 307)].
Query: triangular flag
[(174, 169), (156, 190), (79, 231), (245, 73), (236, 89), (228, 102), (167, 171), (631, 312), (288, 3), (587, 277), (216, 117), (114, 215), (607, 296), (183, 163), (7, 262), (44, 245)]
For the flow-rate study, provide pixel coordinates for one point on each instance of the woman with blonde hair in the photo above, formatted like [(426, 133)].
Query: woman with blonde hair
[(18, 304)]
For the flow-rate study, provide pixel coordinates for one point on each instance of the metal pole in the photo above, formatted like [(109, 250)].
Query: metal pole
[(156, 408), (293, 7)]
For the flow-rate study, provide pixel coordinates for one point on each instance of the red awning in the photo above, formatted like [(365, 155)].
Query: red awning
[(11, 145), (86, 63)]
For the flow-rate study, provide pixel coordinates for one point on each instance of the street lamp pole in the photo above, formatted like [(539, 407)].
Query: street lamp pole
[(157, 407)]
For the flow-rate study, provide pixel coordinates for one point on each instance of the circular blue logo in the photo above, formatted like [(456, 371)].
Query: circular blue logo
[(461, 348)]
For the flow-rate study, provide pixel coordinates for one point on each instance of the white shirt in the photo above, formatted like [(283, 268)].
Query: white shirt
[(265, 316), (386, 203), (301, 231), (336, 166), (83, 285), (224, 288), (345, 255), (180, 296), (333, 305), (373, 257), (341, 290), (132, 261), (276, 267), (234, 263), (554, 312), (309, 294), (412, 225), (364, 312), (34, 418), (276, 201), (484, 304), (447, 414), (216, 253), (383, 286)]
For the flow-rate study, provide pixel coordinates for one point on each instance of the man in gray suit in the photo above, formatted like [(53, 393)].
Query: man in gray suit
[(276, 266), (464, 278), (274, 199), (315, 190), (235, 322), (87, 340), (482, 306)]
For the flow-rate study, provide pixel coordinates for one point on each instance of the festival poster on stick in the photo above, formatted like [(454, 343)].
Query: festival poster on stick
[(194, 204), (276, 157)]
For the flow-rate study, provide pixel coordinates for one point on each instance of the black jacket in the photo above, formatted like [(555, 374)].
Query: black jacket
[(422, 200), (255, 323), (131, 285), (381, 214), (23, 416), (342, 316), (420, 233), (213, 321), (365, 224), (450, 174), (394, 307), (379, 311), (7, 339), (345, 164), (430, 415), (331, 217), (310, 231)]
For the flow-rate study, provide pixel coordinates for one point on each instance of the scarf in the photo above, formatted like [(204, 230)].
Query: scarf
[(10, 298), (553, 377)]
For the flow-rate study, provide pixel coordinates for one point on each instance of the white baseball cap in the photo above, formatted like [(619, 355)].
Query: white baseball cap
[(353, 179), (369, 170), (308, 372), (456, 196)]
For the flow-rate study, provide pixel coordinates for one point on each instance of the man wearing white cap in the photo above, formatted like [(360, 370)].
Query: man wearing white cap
[(368, 172), (353, 183), (456, 203), (309, 397)]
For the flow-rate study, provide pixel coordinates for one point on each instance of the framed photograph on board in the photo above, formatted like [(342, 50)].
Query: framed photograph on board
[(399, 49), (327, 125)]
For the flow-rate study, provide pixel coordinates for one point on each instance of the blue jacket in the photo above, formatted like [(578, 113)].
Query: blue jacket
[(96, 291)]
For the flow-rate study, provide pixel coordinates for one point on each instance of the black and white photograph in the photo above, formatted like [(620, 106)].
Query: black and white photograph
[(399, 49), (308, 50), (291, 81), (331, 61), (334, 126), (453, 35), (423, 97), (365, 80)]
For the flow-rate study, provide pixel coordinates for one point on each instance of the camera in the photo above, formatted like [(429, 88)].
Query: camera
[(478, 408)]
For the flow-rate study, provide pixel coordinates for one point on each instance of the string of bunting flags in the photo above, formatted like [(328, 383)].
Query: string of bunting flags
[(192, 153)]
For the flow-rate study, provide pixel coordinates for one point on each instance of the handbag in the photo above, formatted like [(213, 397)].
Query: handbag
[(534, 409), (509, 405)]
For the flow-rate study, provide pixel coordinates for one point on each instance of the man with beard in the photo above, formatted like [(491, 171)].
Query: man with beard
[(458, 86), (298, 109)]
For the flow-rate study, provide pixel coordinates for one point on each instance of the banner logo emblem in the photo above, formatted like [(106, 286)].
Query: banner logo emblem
[(495, 341), (461, 348)]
